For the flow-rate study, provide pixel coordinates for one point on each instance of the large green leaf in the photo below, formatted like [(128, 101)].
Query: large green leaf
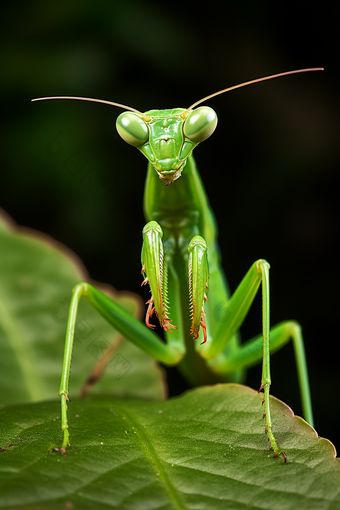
[(37, 275), (206, 449)]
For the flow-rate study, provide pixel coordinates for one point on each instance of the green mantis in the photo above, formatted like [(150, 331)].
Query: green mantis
[(182, 265)]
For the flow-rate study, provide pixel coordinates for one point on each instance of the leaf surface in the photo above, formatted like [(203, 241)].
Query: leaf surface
[(206, 449)]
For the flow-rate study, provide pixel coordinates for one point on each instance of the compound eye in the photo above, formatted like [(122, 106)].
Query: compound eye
[(200, 124), (132, 129)]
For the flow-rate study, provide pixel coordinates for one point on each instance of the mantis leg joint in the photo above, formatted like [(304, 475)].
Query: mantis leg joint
[(260, 264), (293, 328)]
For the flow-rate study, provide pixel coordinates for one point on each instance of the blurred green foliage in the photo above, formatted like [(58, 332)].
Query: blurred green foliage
[(271, 168)]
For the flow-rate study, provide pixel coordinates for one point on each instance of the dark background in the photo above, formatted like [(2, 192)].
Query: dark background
[(270, 170)]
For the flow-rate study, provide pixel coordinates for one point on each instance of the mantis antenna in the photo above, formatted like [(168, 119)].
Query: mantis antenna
[(255, 81), (119, 105), (91, 100)]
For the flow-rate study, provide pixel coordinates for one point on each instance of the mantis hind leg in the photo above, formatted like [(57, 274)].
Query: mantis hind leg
[(251, 352)]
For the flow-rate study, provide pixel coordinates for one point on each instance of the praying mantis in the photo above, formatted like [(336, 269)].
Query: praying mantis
[(181, 263)]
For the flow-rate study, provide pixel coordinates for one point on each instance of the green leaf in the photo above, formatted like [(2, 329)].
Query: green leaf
[(206, 449), (37, 275)]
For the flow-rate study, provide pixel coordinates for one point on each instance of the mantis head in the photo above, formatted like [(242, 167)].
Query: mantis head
[(168, 137)]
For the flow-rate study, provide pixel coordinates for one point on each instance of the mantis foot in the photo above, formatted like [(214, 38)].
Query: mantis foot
[(268, 429)]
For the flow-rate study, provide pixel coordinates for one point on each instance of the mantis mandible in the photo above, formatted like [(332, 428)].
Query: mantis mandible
[(181, 262)]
